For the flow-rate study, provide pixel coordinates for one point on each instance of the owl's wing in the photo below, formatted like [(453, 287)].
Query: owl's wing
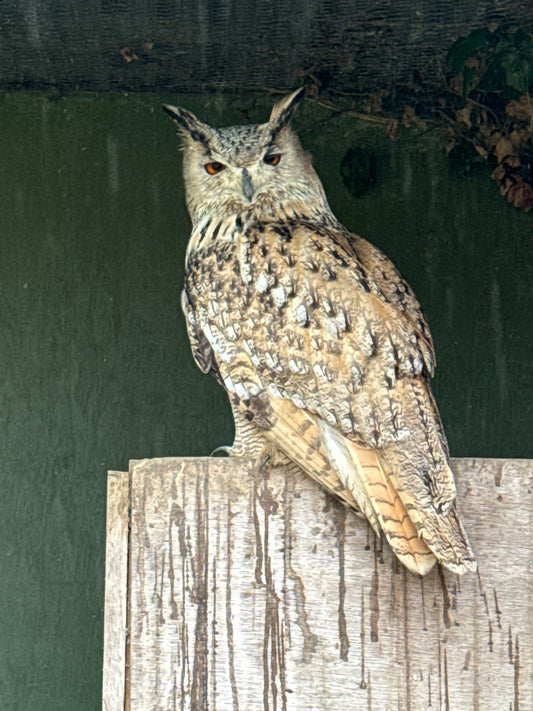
[(396, 291), (202, 351), (323, 322)]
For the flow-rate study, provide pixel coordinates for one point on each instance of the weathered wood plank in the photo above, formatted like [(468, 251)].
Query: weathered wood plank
[(263, 593), (116, 591)]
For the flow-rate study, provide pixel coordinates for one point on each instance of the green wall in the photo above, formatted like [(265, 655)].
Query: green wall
[(95, 367)]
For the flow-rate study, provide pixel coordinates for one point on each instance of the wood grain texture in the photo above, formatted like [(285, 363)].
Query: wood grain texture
[(116, 591), (258, 592)]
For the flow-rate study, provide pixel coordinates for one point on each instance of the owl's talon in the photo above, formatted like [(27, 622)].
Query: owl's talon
[(262, 463), (223, 448)]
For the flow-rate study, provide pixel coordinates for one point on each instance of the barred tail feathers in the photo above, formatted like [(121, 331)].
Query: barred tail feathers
[(364, 474), (339, 465), (443, 532), (366, 481)]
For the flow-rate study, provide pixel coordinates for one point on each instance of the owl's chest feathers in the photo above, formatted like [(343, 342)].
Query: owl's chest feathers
[(286, 276), (249, 246)]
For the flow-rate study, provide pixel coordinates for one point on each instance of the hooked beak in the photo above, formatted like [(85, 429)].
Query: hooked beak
[(247, 187)]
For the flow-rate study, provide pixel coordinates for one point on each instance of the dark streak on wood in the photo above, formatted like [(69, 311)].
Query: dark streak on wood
[(156, 597), (177, 518), (476, 693), (214, 643), (175, 691), (199, 689), (288, 490), (374, 604), (407, 654), (369, 695), (378, 546), (510, 646), (159, 595), (282, 664), (258, 543), (272, 642), (445, 599), (362, 683), (497, 609), (487, 611), (440, 674), (340, 525), (483, 594), (310, 639), (430, 704), (453, 597), (229, 619), (516, 676), (423, 600), (446, 689), (476, 667), (190, 557)]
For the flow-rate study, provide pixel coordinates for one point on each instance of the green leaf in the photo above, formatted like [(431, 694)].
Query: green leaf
[(470, 80), (464, 48), (523, 43), (493, 78), (511, 66), (518, 72)]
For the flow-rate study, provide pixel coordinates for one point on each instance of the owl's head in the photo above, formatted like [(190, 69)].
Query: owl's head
[(239, 168)]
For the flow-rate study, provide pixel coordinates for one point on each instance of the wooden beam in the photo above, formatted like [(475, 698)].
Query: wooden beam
[(261, 592), (116, 591)]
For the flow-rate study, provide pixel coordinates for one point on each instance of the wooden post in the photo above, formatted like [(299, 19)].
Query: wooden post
[(262, 593), (116, 591)]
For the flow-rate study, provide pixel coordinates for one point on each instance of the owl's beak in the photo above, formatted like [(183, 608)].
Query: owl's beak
[(247, 187)]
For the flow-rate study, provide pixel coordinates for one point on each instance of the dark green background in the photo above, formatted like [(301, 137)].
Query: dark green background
[(95, 364)]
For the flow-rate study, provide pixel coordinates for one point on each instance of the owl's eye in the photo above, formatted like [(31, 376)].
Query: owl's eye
[(272, 158), (214, 167)]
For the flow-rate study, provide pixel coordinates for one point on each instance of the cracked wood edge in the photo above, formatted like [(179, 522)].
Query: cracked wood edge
[(251, 592), (116, 591)]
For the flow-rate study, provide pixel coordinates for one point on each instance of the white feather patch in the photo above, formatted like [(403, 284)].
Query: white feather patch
[(339, 456)]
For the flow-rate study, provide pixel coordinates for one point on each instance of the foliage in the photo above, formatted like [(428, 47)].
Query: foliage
[(492, 70), (493, 61), (481, 107)]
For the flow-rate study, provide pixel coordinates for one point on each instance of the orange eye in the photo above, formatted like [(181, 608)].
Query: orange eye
[(214, 167), (272, 158)]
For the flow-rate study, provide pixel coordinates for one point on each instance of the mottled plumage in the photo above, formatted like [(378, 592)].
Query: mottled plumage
[(319, 342)]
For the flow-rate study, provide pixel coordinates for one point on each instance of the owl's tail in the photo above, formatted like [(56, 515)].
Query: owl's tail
[(363, 479), (364, 474)]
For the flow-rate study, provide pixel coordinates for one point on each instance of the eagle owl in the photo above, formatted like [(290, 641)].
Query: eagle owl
[(320, 344)]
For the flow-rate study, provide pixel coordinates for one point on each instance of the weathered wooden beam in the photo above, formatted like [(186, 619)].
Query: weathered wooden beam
[(251, 592), (116, 590)]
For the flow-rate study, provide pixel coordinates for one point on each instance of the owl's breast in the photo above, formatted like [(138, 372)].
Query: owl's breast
[(287, 306)]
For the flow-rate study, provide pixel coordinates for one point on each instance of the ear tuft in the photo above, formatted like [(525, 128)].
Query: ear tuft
[(191, 128), (284, 110)]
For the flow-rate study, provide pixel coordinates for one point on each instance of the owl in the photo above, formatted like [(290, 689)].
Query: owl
[(320, 344)]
